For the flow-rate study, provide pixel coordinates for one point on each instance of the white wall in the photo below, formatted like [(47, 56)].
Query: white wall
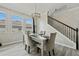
[(70, 17), (60, 38)]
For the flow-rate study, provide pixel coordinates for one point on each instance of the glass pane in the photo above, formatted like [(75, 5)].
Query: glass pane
[(2, 16), (16, 18), (29, 21)]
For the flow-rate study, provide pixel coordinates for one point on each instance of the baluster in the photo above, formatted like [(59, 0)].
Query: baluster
[(77, 38), (64, 30), (69, 34), (74, 36), (67, 31)]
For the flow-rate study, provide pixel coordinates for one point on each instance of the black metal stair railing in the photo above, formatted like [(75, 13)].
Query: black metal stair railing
[(66, 30)]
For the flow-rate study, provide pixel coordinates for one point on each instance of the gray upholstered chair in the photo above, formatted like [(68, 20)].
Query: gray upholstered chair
[(29, 44), (49, 46)]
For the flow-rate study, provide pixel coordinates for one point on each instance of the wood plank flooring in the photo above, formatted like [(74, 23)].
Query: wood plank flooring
[(18, 50)]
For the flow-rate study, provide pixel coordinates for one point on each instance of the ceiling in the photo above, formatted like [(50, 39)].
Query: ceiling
[(29, 8)]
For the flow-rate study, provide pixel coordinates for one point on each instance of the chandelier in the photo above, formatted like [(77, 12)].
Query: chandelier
[(36, 14)]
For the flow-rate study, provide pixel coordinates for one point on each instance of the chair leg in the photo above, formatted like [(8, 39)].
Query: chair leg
[(53, 52), (49, 53), (28, 49), (38, 50), (25, 47)]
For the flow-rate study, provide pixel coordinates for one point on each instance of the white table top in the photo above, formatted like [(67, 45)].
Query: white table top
[(37, 37)]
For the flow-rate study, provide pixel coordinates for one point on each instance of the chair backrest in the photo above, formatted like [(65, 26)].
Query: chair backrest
[(27, 39), (51, 41)]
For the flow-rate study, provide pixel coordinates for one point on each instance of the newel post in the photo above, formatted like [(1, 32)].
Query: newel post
[(77, 38)]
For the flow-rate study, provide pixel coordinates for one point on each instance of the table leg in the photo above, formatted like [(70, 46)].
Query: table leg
[(25, 46), (42, 46), (42, 49), (28, 49)]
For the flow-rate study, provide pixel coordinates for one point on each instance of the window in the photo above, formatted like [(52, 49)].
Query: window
[(16, 18), (16, 24), (29, 24), (2, 16)]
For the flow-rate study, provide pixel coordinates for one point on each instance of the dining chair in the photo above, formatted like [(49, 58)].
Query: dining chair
[(29, 44), (49, 46)]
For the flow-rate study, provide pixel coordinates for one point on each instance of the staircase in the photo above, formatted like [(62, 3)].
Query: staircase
[(65, 29)]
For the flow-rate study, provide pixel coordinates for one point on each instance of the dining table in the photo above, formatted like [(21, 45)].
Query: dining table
[(40, 39)]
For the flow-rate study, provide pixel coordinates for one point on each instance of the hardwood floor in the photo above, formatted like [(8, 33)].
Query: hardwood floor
[(13, 50), (65, 51), (18, 50)]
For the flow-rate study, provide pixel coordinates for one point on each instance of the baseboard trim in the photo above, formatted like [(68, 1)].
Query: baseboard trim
[(11, 43)]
